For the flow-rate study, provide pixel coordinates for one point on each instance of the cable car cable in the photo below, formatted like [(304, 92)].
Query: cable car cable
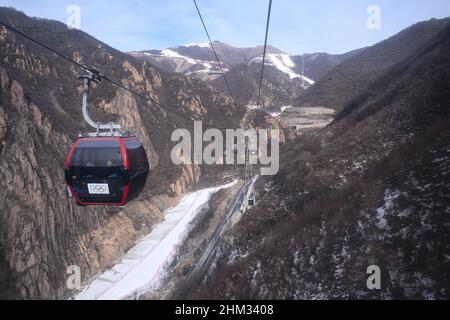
[(214, 50), (43, 45), (265, 50), (97, 74)]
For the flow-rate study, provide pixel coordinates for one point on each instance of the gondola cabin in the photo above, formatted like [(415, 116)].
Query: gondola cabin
[(106, 171), (251, 201)]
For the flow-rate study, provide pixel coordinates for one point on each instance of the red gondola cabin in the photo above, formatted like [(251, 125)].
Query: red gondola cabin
[(106, 171)]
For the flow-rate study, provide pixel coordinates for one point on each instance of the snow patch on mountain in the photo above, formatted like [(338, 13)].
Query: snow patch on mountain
[(207, 66), (284, 108), (172, 54), (284, 63), (200, 45)]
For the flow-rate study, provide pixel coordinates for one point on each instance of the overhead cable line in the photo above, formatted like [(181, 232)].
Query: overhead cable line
[(264, 54), (215, 53), (43, 45), (97, 74)]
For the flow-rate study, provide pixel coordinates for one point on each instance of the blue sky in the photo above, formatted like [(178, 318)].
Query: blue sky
[(297, 26)]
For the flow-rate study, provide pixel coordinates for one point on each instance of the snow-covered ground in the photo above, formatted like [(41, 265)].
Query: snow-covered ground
[(284, 63), (209, 66), (143, 266), (201, 45), (284, 108), (275, 114), (172, 54)]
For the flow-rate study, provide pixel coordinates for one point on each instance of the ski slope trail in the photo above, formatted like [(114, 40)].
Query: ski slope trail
[(142, 268)]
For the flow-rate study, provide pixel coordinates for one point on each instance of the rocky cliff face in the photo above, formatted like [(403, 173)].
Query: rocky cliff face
[(42, 232), (39, 226)]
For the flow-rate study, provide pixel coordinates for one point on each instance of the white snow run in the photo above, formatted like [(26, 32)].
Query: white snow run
[(143, 266), (284, 63)]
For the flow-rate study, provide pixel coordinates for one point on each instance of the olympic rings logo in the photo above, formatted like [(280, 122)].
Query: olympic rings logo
[(98, 188)]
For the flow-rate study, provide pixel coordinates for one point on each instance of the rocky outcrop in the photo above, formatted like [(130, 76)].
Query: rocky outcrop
[(190, 174), (4, 79), (41, 233), (191, 104), (262, 120), (124, 106), (3, 124), (17, 97)]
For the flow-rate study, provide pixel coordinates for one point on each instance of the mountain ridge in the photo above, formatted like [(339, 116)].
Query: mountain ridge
[(241, 67)]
